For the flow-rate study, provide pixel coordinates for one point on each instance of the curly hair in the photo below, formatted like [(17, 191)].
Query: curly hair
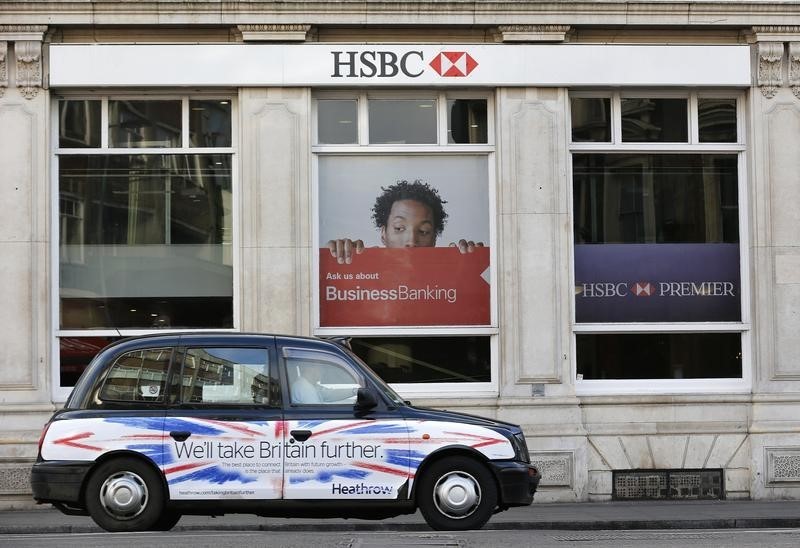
[(403, 190)]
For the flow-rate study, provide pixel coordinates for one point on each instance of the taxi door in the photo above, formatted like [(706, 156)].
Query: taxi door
[(332, 450), (222, 433)]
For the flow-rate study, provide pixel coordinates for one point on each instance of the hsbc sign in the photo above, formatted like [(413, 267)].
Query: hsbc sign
[(373, 65), (411, 64), (657, 282)]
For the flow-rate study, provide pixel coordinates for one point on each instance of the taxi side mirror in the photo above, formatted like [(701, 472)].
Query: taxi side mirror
[(365, 399)]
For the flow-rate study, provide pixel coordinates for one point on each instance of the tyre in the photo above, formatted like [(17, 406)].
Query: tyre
[(125, 494), (456, 494), (167, 520)]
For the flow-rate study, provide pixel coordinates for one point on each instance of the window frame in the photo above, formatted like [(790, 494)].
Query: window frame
[(603, 387), (441, 148), (60, 393)]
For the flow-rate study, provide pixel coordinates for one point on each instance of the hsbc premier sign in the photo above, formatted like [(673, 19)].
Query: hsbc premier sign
[(412, 64), (485, 65)]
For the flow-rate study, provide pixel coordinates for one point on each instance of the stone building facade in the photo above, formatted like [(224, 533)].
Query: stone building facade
[(618, 147)]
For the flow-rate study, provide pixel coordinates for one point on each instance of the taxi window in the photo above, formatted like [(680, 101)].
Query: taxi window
[(138, 376), (232, 376), (319, 378)]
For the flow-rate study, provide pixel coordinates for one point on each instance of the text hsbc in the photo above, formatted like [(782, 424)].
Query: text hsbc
[(665, 289), (383, 64)]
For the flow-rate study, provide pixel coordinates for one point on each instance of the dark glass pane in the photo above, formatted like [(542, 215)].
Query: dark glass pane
[(146, 312), (426, 359), (143, 124), (591, 119), (466, 121), (401, 121), (337, 121), (75, 353), (138, 376), (655, 120), (655, 198), (79, 123), (138, 229), (228, 375), (717, 120), (210, 123), (659, 356)]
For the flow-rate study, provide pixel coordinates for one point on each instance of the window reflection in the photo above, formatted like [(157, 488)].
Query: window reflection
[(337, 121), (145, 241), (717, 120), (144, 124), (401, 121), (426, 359), (659, 355), (466, 121), (655, 120), (79, 123), (655, 198), (591, 119), (210, 123)]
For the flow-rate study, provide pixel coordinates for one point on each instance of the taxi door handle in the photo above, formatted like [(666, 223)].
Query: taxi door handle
[(180, 435), (301, 435)]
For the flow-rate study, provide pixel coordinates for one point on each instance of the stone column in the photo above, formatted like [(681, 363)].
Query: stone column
[(774, 200), (275, 202), (24, 247)]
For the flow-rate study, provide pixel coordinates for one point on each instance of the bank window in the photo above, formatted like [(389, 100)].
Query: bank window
[(658, 242), (405, 235), (145, 219), (402, 119)]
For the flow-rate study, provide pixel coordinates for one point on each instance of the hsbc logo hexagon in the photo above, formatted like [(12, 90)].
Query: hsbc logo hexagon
[(453, 64), (643, 289)]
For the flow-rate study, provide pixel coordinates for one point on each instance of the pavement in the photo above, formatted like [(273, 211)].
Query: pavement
[(613, 515)]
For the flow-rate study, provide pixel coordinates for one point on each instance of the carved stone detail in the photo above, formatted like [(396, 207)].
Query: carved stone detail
[(770, 57), (274, 32), (29, 67), (14, 33), (3, 67), (556, 468), (532, 33), (783, 465), (794, 68)]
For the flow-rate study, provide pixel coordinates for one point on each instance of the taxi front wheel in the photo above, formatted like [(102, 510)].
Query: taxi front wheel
[(125, 494), (456, 494)]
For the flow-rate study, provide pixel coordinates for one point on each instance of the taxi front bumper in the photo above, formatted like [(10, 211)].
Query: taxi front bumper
[(518, 482)]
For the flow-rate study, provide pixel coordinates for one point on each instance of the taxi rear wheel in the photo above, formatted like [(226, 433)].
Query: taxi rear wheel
[(456, 494), (125, 494)]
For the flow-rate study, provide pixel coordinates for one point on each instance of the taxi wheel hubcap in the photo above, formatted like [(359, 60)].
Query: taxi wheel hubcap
[(124, 495), (457, 494)]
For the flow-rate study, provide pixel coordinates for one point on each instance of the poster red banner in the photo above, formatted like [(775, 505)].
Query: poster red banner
[(405, 287)]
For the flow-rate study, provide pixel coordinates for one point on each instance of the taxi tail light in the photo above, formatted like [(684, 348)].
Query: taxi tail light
[(42, 436)]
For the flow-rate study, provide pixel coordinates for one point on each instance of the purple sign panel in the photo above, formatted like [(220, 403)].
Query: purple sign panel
[(657, 283)]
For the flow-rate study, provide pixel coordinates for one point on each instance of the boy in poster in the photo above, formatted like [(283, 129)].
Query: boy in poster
[(407, 215)]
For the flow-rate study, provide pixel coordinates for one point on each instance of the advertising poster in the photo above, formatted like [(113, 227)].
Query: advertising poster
[(657, 283), (404, 241)]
